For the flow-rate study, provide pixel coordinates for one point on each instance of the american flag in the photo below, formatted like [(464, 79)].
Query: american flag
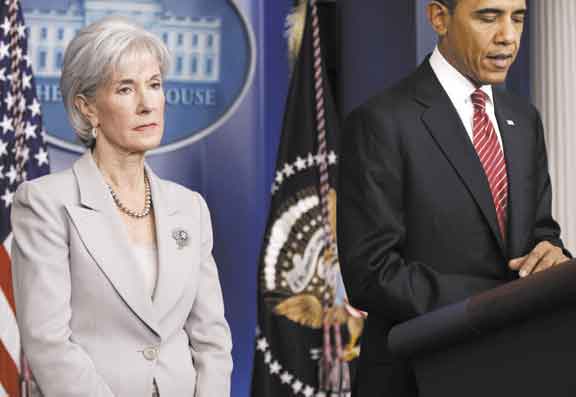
[(23, 156)]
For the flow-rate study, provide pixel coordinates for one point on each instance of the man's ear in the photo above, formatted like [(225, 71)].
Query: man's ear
[(438, 16), (87, 109)]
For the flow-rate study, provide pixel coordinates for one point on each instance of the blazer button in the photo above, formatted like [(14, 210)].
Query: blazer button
[(150, 353)]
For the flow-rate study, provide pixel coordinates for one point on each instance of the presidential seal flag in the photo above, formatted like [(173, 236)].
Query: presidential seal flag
[(23, 156), (307, 334)]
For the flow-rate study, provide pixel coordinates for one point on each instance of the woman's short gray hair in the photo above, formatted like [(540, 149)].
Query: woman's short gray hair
[(92, 57)]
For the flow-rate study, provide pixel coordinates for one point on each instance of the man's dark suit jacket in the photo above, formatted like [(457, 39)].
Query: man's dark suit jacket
[(417, 226)]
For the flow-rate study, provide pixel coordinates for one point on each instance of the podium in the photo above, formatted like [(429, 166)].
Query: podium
[(517, 340)]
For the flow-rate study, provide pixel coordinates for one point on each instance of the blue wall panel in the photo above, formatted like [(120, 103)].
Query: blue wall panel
[(379, 53)]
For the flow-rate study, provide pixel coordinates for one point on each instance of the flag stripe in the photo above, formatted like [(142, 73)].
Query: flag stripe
[(9, 335), (9, 377), (9, 338), (24, 157), (6, 277)]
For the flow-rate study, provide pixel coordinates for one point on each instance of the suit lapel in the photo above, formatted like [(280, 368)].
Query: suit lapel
[(511, 126), (175, 263), (104, 235), (445, 126)]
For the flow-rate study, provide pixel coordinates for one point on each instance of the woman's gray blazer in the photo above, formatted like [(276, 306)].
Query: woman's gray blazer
[(87, 326)]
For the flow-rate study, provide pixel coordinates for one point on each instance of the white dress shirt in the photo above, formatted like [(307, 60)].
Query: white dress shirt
[(460, 89)]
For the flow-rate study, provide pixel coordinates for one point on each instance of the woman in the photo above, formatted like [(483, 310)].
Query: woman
[(117, 293)]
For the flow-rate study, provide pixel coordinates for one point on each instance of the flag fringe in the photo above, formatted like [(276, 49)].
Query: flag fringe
[(295, 22)]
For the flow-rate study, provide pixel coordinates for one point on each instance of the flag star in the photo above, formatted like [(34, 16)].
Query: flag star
[(274, 188), (6, 26), (300, 163), (21, 30), (4, 50), (28, 60), (18, 53), (332, 158), (267, 357), (315, 354), (308, 391), (275, 367), (297, 386), (35, 107), (286, 377), (3, 146), (12, 174), (26, 81), (288, 170), (6, 124), (279, 177), (3, 74), (262, 344), (8, 197), (320, 158), (310, 160), (30, 130), (9, 100), (41, 157)]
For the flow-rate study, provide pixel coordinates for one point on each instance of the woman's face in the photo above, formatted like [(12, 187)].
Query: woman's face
[(130, 107)]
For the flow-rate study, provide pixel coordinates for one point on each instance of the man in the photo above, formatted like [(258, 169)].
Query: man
[(444, 185)]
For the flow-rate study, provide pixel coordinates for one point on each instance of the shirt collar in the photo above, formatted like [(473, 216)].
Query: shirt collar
[(456, 85)]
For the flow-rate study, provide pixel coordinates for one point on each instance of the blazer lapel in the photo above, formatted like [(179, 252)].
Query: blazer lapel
[(103, 233), (511, 126), (175, 261), (445, 126)]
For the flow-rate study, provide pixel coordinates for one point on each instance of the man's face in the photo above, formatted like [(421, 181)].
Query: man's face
[(482, 38)]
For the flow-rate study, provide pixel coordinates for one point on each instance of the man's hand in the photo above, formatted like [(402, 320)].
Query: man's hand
[(542, 257)]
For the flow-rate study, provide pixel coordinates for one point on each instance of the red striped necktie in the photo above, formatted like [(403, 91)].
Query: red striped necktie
[(491, 156)]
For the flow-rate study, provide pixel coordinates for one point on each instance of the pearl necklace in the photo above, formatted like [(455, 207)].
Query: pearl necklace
[(128, 211)]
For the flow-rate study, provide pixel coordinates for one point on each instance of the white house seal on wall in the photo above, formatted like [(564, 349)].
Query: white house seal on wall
[(212, 66)]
